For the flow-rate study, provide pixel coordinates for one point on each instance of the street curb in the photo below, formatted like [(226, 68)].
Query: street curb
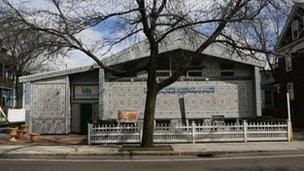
[(129, 155)]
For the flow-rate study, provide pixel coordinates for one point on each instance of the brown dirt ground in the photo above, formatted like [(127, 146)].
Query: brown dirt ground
[(71, 139)]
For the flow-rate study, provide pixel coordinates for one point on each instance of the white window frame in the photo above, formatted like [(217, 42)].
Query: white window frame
[(290, 90), (288, 63), (227, 70), (198, 71), (295, 28), (277, 88)]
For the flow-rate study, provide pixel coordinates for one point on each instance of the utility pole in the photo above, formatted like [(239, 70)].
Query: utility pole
[(290, 135)]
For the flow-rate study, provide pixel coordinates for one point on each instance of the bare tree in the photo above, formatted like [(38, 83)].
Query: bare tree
[(153, 19), (31, 51), (262, 33)]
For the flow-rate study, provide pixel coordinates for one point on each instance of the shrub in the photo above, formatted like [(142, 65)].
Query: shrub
[(105, 122)]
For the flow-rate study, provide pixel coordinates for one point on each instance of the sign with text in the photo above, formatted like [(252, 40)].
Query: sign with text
[(86, 92), (127, 116), (187, 90)]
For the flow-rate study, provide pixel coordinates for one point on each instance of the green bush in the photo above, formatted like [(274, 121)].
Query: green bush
[(105, 122)]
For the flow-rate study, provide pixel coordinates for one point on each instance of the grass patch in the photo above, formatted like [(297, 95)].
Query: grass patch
[(154, 148)]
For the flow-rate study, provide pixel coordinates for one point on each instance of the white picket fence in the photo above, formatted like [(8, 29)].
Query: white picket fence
[(193, 133)]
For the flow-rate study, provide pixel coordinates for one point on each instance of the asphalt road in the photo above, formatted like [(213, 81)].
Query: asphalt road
[(275, 161)]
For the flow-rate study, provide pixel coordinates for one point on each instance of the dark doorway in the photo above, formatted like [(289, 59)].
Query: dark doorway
[(86, 117)]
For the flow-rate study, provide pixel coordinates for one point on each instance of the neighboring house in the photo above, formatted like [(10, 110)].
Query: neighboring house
[(221, 83), (269, 95), (6, 81), (289, 75)]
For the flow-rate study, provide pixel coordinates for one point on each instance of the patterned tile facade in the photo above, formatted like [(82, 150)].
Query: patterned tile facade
[(212, 69), (50, 107), (230, 98)]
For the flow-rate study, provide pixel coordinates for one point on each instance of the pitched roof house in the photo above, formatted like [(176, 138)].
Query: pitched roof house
[(290, 71)]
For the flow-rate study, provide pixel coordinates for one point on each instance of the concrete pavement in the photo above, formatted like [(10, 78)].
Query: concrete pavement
[(251, 162), (241, 147), (26, 151)]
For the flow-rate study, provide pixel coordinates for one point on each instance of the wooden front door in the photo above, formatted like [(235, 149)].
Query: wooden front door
[(86, 117)]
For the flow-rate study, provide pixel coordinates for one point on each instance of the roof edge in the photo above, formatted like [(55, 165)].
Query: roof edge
[(50, 74)]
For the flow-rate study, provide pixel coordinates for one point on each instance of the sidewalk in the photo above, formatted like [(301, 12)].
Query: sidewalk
[(25, 151)]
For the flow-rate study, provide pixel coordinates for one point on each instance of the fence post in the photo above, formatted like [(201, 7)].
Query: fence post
[(193, 131), (289, 130), (245, 124), (140, 132), (289, 124), (89, 134)]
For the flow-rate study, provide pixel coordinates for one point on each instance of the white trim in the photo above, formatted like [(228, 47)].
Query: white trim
[(52, 74), (292, 47), (288, 63), (164, 71), (295, 29), (290, 90)]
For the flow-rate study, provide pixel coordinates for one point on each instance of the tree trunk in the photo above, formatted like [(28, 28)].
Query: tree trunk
[(152, 90), (148, 127), (18, 92)]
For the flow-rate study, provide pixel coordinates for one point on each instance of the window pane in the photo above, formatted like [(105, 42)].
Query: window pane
[(288, 61), (290, 90), (163, 73), (227, 66), (195, 74), (295, 30), (227, 73)]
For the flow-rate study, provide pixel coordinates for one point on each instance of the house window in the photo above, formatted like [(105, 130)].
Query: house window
[(295, 30), (288, 63), (277, 88), (9, 75), (163, 73), (290, 90), (227, 69), (194, 73)]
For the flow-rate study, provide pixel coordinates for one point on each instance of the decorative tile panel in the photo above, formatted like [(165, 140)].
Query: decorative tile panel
[(49, 105), (212, 69), (48, 125), (49, 99), (229, 98), (102, 95)]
